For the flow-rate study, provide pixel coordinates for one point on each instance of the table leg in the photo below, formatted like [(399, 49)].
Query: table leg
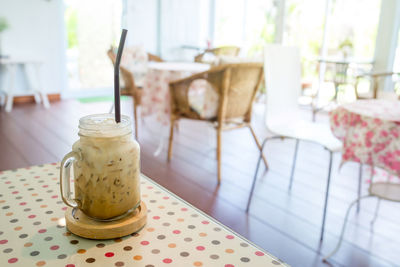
[(41, 91), (10, 92), (2, 93), (160, 146), (111, 108), (37, 98), (34, 79), (359, 186), (31, 82)]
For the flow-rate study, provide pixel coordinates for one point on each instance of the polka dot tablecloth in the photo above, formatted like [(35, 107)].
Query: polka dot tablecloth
[(33, 232)]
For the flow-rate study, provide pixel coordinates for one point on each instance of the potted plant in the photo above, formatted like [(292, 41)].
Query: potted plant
[(3, 26)]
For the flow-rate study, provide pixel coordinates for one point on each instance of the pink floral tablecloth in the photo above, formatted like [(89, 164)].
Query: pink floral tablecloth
[(370, 131), (156, 96), (135, 59)]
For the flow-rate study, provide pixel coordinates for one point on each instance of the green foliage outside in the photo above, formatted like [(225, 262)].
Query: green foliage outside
[(71, 21), (3, 24), (265, 36)]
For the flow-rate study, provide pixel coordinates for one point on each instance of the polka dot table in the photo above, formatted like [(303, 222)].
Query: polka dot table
[(33, 232)]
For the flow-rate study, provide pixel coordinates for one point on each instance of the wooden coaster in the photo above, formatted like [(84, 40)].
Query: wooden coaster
[(83, 226)]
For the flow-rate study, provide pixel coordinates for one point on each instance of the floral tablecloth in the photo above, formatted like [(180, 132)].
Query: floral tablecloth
[(135, 59), (156, 96), (370, 131), (33, 232)]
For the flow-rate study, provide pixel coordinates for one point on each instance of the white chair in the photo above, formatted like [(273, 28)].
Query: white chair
[(282, 70)]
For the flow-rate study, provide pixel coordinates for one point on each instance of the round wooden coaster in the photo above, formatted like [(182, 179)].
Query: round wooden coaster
[(83, 226)]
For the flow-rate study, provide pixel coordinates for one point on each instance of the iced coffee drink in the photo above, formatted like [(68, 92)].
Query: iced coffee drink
[(107, 167)]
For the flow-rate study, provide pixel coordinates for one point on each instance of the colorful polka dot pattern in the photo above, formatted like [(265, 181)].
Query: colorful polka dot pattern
[(33, 232)]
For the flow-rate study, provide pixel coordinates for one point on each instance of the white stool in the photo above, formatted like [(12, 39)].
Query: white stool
[(32, 72)]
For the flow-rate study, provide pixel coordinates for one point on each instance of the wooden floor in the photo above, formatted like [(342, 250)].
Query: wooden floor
[(285, 224)]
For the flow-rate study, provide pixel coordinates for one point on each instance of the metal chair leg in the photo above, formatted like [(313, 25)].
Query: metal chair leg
[(376, 213), (326, 196), (253, 184), (343, 228), (294, 163), (256, 173), (359, 186), (371, 177), (111, 109)]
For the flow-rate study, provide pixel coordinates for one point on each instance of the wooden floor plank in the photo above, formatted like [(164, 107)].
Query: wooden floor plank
[(286, 224), (25, 141), (226, 192)]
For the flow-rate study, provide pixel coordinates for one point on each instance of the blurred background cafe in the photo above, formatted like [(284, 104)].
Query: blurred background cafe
[(278, 118)]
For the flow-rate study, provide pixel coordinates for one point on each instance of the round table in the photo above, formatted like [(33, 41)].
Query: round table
[(155, 99), (370, 131)]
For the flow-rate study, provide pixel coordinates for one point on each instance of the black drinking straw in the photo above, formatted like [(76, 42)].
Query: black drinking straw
[(117, 97)]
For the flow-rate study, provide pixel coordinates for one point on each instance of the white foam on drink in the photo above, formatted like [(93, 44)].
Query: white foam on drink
[(104, 125)]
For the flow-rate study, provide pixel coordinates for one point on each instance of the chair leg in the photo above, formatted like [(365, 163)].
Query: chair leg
[(343, 229), (219, 132), (326, 196), (111, 108), (136, 120), (259, 146), (255, 175), (171, 136), (376, 213), (336, 91), (254, 182), (360, 172), (314, 110), (177, 126), (294, 163)]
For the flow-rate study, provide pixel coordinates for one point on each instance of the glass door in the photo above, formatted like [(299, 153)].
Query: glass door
[(92, 26), (304, 27)]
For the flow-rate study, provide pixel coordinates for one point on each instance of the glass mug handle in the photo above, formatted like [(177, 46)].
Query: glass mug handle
[(65, 181)]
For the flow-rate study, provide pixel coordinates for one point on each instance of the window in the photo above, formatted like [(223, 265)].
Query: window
[(304, 26), (229, 22), (353, 27), (91, 32), (249, 24), (259, 25)]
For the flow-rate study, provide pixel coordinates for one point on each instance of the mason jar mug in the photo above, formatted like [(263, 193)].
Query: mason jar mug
[(106, 168)]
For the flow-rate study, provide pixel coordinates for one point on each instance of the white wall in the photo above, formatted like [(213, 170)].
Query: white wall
[(37, 32)]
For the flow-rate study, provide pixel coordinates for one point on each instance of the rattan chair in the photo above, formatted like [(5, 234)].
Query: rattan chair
[(219, 51), (130, 89), (154, 58), (236, 86)]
